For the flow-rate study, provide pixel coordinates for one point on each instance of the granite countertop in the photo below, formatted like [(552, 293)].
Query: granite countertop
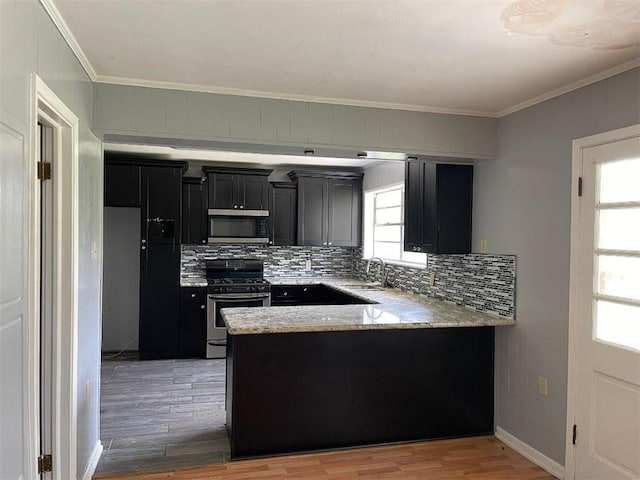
[(193, 282), (393, 309)]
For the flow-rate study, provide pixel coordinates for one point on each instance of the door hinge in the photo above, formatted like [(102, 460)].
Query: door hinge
[(579, 186), (575, 434), (44, 171), (45, 463)]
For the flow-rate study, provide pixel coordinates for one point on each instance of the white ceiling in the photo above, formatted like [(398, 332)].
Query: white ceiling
[(486, 57)]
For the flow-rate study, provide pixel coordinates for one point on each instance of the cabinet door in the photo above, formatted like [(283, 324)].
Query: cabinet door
[(283, 215), (313, 207), (193, 330), (344, 213), (413, 204), (223, 190), (121, 185), (430, 192), (253, 192), (161, 209), (194, 212), (455, 198), (160, 262), (159, 301)]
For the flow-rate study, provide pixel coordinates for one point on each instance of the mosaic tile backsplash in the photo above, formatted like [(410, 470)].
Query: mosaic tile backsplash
[(483, 282), (278, 261)]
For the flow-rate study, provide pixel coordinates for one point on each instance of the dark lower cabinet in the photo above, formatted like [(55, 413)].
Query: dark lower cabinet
[(312, 294), (193, 322), (296, 392), (159, 301), (438, 206)]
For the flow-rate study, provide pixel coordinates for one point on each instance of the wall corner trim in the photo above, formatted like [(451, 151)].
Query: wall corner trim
[(92, 464), (64, 30), (527, 451)]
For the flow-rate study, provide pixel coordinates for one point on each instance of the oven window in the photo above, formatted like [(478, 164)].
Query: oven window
[(234, 303)]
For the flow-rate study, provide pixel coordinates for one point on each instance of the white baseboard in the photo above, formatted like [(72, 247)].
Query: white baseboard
[(93, 462), (527, 451)]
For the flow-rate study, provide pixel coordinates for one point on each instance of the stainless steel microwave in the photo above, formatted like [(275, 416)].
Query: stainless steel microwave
[(238, 226)]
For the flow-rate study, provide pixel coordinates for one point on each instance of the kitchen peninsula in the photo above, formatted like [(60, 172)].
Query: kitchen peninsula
[(303, 378)]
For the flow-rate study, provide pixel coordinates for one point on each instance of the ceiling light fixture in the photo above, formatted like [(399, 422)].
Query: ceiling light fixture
[(362, 155), (309, 152)]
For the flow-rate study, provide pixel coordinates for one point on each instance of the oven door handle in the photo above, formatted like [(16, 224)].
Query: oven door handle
[(238, 297)]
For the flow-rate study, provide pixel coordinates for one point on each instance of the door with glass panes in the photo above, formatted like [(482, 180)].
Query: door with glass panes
[(607, 408)]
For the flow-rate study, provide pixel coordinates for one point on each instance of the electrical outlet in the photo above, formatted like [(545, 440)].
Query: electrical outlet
[(432, 279), (307, 264), (87, 390), (483, 246), (542, 386)]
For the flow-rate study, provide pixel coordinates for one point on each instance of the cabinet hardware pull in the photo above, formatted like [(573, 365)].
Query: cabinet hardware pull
[(203, 306), (235, 206), (241, 206), (193, 295), (143, 247), (144, 240)]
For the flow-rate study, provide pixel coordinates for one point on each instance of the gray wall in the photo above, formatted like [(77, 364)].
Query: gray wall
[(522, 206), (159, 113), (383, 175), (121, 284), (31, 43)]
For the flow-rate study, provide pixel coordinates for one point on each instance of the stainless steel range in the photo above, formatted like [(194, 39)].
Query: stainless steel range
[(232, 283)]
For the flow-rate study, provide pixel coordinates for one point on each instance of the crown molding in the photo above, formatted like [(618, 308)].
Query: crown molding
[(135, 82), (64, 30), (569, 88)]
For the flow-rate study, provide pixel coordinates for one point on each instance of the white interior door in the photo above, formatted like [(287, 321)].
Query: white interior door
[(607, 408), (14, 325)]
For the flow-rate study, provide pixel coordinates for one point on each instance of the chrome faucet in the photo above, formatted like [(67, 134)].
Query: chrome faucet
[(382, 269)]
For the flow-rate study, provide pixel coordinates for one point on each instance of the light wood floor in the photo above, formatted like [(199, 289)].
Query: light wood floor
[(479, 458)]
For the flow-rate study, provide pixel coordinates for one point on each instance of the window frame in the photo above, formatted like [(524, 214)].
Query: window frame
[(370, 227)]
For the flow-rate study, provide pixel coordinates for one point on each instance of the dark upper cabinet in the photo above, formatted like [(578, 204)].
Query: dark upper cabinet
[(161, 205), (283, 206), (194, 210), (438, 206), (237, 189), (345, 212), (329, 208), (121, 185)]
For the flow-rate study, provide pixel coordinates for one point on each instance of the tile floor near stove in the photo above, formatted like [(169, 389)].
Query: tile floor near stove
[(161, 414)]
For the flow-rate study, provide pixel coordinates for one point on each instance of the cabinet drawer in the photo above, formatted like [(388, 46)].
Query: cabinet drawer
[(193, 295)]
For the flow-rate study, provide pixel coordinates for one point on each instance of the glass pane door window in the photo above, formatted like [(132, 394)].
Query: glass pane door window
[(617, 253)]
